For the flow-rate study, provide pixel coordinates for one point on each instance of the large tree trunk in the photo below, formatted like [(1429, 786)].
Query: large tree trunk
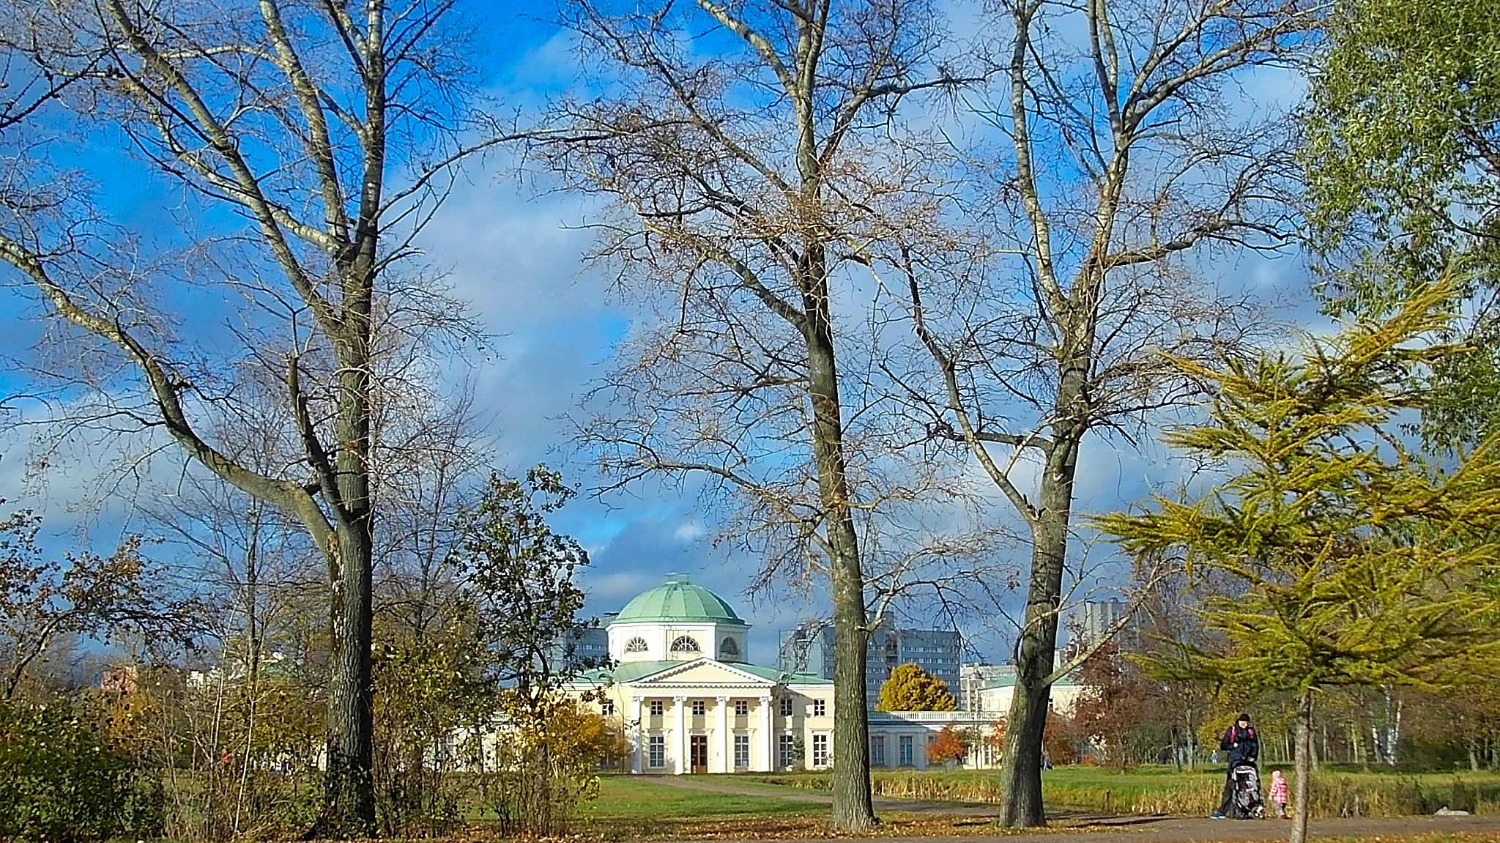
[(1021, 769), (1393, 712), (1303, 786), (252, 663), (349, 784), (853, 807)]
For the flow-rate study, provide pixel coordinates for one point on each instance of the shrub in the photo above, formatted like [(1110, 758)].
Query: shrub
[(547, 764), (60, 782)]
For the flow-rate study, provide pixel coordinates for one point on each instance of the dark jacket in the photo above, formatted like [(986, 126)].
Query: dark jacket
[(1241, 744)]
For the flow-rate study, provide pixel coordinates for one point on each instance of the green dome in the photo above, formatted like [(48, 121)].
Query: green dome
[(678, 600)]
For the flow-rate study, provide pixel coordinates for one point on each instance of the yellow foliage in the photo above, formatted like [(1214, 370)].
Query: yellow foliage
[(910, 688)]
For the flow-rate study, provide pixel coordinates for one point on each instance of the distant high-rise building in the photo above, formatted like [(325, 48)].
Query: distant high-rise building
[(1092, 620), (809, 648), (590, 645), (974, 678)]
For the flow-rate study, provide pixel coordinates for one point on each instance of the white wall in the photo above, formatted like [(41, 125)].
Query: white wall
[(659, 637)]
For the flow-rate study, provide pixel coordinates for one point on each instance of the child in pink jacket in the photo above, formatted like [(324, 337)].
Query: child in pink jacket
[(1278, 794)]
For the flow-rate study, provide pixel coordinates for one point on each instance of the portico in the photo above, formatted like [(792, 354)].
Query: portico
[(713, 718), (689, 700)]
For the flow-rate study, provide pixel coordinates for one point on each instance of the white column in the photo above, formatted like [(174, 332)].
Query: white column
[(640, 734), (679, 737), (724, 740), (767, 736)]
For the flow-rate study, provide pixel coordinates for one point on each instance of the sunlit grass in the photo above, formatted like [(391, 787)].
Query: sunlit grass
[(1165, 790)]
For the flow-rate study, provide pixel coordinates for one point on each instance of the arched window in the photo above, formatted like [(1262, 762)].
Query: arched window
[(729, 649), (686, 644), (636, 645)]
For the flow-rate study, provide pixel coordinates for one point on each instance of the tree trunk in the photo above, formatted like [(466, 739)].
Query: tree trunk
[(349, 783), (252, 665), (853, 805), (1392, 725), (1326, 754), (1303, 786), (1021, 769), (1361, 757)]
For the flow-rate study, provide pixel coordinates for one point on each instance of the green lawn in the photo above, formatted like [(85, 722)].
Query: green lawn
[(1165, 790), (634, 797), (637, 808)]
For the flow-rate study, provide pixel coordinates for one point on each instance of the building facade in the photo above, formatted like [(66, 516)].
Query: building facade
[(590, 645), (809, 648), (683, 687), (974, 678), (996, 695), (1092, 620)]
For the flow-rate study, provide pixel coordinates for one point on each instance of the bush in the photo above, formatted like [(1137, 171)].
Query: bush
[(59, 781), (547, 764)]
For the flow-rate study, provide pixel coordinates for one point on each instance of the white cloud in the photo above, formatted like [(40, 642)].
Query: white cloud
[(689, 532), (608, 592)]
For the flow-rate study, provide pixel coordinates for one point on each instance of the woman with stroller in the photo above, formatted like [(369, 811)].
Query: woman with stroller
[(1243, 748)]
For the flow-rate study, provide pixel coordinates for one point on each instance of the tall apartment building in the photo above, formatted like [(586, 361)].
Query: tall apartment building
[(974, 678), (1091, 620), (590, 645), (809, 649)]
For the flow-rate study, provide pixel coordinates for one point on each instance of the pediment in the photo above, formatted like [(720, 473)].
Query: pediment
[(705, 671)]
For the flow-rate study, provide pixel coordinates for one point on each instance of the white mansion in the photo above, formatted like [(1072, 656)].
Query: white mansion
[(692, 702)]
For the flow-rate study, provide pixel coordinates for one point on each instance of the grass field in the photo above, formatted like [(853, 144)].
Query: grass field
[(761, 806), (633, 798), (633, 808), (1164, 790)]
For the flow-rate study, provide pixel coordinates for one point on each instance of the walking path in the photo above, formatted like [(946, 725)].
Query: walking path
[(1117, 829)]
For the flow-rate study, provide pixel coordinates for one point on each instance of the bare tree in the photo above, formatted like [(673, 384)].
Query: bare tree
[(281, 124), (744, 144), (1119, 151), (251, 565)]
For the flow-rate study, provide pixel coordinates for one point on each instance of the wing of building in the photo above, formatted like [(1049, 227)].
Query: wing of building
[(692, 701)]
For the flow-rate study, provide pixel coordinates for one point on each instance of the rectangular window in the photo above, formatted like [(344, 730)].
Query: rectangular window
[(877, 750), (820, 751), (786, 706), (786, 748), (907, 752), (656, 708), (820, 708), (741, 751), (699, 708), (658, 752), (741, 708), (607, 708)]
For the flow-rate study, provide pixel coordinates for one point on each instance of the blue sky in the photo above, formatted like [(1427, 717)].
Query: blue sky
[(513, 251)]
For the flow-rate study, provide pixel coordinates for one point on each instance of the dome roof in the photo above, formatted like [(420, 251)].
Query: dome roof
[(677, 599)]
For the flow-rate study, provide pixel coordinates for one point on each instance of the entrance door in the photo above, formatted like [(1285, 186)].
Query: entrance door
[(698, 753)]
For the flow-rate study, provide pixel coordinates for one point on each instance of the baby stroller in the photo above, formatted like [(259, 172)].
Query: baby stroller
[(1246, 802)]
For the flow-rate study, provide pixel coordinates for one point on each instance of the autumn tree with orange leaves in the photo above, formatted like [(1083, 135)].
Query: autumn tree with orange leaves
[(952, 744)]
